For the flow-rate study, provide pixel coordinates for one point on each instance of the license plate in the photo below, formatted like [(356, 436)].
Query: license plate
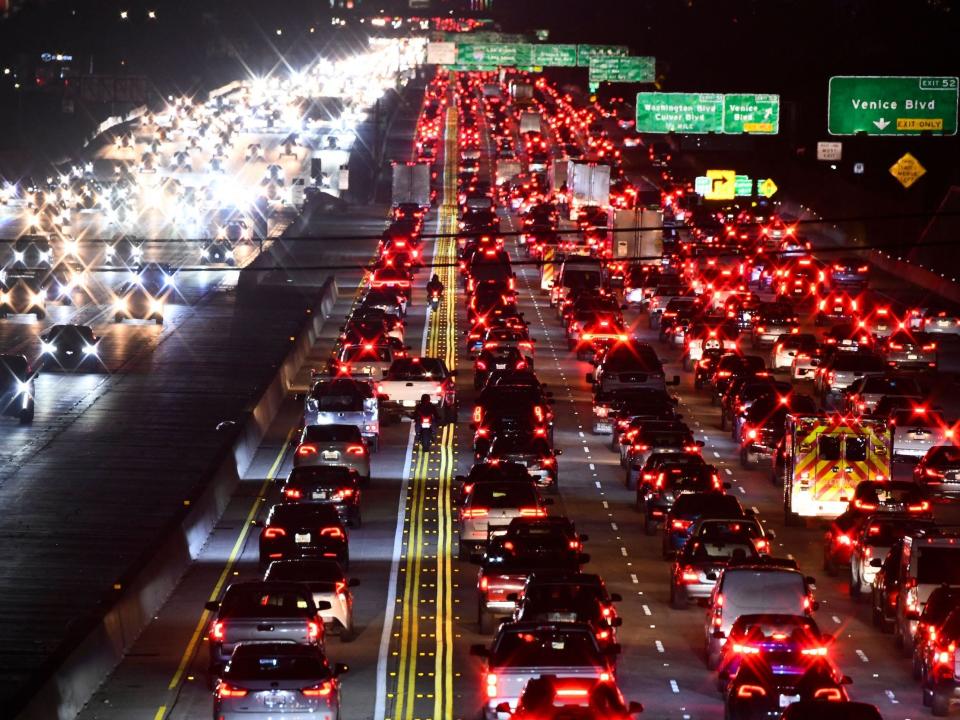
[(786, 700), (604, 426), (367, 370), (301, 537), (331, 454), (319, 495), (409, 403), (911, 357), (501, 366), (943, 323)]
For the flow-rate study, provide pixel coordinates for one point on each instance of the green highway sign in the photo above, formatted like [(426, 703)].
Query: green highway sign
[(487, 55), (585, 52), (896, 105), (679, 112), (750, 113), (553, 55), (616, 68)]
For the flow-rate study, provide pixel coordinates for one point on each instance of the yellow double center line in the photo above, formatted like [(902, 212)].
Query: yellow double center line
[(441, 340)]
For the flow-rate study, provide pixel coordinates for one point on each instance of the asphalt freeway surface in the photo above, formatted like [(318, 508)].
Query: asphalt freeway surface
[(417, 665)]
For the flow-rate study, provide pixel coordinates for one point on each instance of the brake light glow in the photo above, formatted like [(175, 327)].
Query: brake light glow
[(751, 691), (313, 630), (225, 690), (217, 630), (320, 690), (831, 694), (306, 450), (333, 532), (491, 685), (746, 650), (273, 533), (475, 512), (356, 450)]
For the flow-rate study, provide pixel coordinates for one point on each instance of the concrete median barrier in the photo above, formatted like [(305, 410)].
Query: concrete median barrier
[(90, 650)]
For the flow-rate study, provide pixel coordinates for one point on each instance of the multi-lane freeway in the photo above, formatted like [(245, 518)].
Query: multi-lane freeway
[(91, 484)]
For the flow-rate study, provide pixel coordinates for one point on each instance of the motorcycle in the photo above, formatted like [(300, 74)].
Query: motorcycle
[(425, 431), (434, 299)]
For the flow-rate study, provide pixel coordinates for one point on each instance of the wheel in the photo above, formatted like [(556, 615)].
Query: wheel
[(940, 704), (678, 598), (26, 415)]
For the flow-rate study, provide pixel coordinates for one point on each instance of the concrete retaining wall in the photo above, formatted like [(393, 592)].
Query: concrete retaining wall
[(76, 673)]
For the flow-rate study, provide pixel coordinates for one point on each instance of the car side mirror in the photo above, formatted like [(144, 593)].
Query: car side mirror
[(616, 622), (634, 708), (719, 634), (503, 707), (476, 558), (616, 597), (479, 651), (460, 478), (827, 638), (211, 605), (353, 582), (341, 669), (699, 443), (816, 605), (614, 649), (772, 534), (323, 605)]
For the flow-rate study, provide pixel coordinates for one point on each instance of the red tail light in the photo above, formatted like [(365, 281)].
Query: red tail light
[(816, 651), (356, 450), (272, 533), (293, 493), (746, 650), (491, 685), (225, 690), (831, 694), (751, 691), (340, 587), (332, 532), (689, 574), (475, 512), (306, 450), (533, 512), (538, 413), (681, 524), (218, 631), (313, 630), (321, 690)]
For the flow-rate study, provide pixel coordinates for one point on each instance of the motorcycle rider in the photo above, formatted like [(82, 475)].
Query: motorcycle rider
[(434, 291), (427, 418)]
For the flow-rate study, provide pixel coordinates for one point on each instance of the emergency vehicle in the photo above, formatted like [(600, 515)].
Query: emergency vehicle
[(823, 458)]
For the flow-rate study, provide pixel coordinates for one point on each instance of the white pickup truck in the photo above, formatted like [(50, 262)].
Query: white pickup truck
[(408, 379)]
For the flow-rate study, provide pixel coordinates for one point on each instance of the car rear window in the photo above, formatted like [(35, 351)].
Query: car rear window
[(695, 503), (265, 601), (257, 665), (504, 495), (332, 433), (416, 369), (545, 649)]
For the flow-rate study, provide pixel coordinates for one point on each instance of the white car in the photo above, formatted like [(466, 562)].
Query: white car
[(942, 322), (917, 430), (333, 445), (494, 504), (788, 347), (328, 584)]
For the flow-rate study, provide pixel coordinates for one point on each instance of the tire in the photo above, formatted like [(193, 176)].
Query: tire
[(940, 704), (678, 598), (26, 416)]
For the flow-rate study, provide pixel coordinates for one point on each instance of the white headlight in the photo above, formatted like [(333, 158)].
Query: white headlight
[(228, 253), (120, 304), (156, 305), (18, 255), (23, 387), (89, 349), (48, 347)]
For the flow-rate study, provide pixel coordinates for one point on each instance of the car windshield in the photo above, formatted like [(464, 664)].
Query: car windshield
[(883, 534), (71, 333), (697, 503), (305, 571), (546, 649), (332, 433), (721, 548)]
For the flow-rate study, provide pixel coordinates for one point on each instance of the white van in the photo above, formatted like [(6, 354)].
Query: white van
[(753, 589)]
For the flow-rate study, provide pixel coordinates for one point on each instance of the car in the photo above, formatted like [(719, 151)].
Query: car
[(837, 306), (493, 504), (941, 603), (22, 293), (942, 321), (218, 251), (656, 440), (257, 611), (842, 369), (70, 347), (334, 444), (328, 584), (793, 642), (940, 686), (762, 426), (745, 391), (565, 603), (916, 429), (863, 394), (909, 351), (654, 499), (774, 320), (690, 507), (930, 557), (497, 358), (697, 565), (410, 378), (806, 362), (760, 689), (146, 295), (301, 531), (730, 366), (344, 401), (524, 651), (365, 359), (787, 347), (751, 589), (872, 543), (849, 272), (938, 472), (334, 485), (550, 698), (17, 388), (274, 679), (530, 450)]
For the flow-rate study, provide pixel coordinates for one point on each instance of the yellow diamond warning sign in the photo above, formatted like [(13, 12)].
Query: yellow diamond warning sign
[(767, 187), (907, 170)]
